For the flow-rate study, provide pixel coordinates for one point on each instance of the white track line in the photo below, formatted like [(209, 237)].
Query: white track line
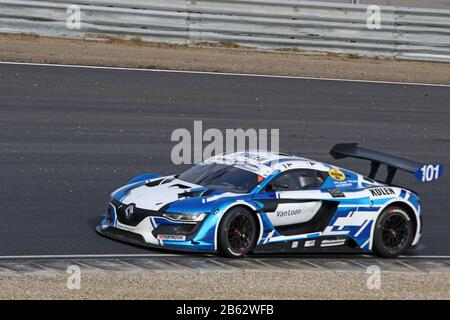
[(222, 74)]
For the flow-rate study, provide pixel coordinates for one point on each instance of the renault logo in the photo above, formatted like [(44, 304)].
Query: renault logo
[(129, 211)]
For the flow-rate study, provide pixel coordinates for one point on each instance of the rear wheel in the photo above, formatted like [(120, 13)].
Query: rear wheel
[(394, 232), (237, 233)]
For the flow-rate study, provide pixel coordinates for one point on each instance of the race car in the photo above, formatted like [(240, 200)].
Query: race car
[(263, 202)]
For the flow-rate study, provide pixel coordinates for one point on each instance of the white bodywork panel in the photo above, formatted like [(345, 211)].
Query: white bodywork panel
[(293, 213)]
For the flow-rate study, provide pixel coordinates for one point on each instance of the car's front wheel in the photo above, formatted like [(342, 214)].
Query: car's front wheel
[(237, 233), (394, 232)]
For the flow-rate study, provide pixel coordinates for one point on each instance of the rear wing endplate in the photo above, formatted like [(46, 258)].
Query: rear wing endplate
[(423, 172)]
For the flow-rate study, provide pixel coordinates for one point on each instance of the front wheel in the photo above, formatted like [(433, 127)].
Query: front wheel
[(394, 232), (237, 233)]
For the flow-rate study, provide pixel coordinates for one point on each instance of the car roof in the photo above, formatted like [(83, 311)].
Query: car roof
[(265, 162)]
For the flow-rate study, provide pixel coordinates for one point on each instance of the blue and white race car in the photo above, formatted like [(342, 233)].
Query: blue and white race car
[(262, 202)]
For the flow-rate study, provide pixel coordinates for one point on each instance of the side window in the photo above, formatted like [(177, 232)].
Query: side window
[(302, 179), (285, 182), (310, 179)]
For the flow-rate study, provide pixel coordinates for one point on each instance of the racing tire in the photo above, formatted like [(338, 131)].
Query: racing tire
[(394, 232), (237, 234)]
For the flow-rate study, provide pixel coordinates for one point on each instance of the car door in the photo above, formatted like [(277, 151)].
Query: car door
[(292, 201)]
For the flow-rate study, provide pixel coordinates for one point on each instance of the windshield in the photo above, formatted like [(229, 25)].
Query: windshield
[(221, 176)]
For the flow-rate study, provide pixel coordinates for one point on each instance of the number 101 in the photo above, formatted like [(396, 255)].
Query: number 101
[(430, 172)]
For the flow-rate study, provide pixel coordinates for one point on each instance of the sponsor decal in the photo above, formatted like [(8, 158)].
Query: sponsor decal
[(288, 213), (171, 237), (336, 174), (292, 213), (332, 243), (379, 192), (255, 157), (294, 244), (336, 193), (310, 243)]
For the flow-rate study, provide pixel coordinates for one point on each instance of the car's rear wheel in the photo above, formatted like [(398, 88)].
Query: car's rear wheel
[(237, 233), (394, 232)]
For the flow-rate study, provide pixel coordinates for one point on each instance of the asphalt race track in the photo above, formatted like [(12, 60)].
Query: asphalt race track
[(69, 136)]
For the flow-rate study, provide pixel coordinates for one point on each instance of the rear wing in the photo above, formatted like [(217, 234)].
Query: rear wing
[(423, 172)]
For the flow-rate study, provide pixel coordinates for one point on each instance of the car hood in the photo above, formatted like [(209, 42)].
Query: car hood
[(177, 193)]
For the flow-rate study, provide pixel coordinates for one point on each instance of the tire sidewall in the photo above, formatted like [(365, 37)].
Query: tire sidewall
[(379, 246), (222, 239)]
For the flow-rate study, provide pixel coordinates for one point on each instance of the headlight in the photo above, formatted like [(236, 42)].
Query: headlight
[(185, 217)]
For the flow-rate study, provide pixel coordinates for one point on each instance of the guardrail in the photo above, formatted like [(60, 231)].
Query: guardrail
[(405, 33)]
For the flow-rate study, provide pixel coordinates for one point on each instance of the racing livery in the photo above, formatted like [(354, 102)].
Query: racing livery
[(246, 202)]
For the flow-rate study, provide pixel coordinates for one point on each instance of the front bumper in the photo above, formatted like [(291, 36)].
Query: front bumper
[(156, 231), (122, 235), (136, 239)]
